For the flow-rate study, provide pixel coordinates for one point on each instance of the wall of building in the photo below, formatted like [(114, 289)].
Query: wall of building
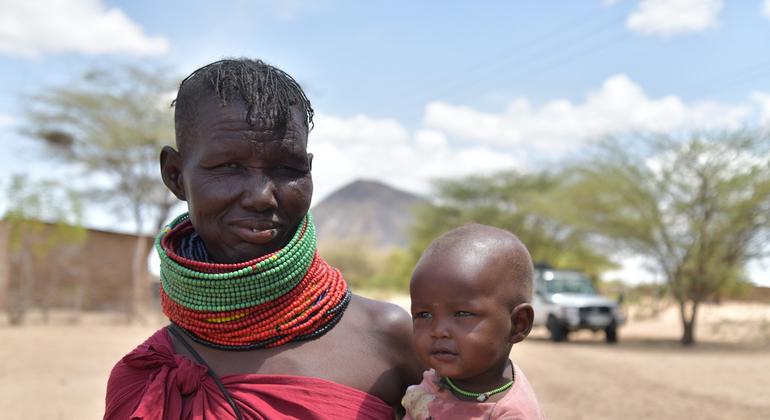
[(94, 274)]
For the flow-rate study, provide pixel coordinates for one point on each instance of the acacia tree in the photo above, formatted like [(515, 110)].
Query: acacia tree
[(513, 201), (698, 208), (42, 223), (111, 125)]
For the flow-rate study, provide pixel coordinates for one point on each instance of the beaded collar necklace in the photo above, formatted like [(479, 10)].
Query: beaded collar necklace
[(289, 295), (481, 396)]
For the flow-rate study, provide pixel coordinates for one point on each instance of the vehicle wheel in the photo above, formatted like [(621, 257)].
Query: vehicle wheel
[(611, 334), (557, 330)]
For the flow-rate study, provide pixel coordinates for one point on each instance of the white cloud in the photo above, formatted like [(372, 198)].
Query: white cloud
[(457, 140), (6, 120), (762, 101), (357, 147), (672, 17), (360, 130), (634, 270), (34, 27), (618, 106), (766, 8)]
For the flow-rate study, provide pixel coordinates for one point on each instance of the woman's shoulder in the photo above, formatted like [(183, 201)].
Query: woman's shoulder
[(128, 378), (156, 348), (389, 327), (385, 330), (381, 316), (384, 322)]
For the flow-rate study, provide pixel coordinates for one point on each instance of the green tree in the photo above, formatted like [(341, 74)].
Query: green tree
[(394, 271), (367, 267), (514, 201), (698, 208), (111, 125), (356, 258), (42, 223)]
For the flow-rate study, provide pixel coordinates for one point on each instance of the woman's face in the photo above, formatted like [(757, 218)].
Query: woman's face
[(247, 188)]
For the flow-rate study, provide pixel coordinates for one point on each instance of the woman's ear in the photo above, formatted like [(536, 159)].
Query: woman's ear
[(522, 317), (171, 171)]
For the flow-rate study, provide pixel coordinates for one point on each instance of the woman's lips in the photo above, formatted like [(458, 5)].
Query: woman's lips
[(258, 233)]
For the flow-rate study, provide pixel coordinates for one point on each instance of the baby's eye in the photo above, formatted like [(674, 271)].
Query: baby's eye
[(422, 315), (463, 314)]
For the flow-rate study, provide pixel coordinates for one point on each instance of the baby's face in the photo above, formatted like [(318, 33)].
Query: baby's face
[(461, 326)]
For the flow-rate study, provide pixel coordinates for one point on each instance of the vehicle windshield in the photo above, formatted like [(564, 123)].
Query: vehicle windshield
[(567, 282)]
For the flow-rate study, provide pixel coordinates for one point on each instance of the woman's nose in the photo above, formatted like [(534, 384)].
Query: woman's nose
[(259, 192)]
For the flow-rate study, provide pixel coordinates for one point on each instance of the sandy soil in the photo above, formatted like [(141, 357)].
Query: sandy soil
[(59, 370)]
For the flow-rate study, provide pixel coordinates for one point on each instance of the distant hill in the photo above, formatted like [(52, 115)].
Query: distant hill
[(366, 209)]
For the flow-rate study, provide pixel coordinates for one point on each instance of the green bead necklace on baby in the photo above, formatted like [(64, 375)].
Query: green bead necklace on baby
[(481, 396)]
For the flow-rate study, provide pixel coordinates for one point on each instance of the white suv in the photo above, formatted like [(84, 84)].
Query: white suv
[(566, 301)]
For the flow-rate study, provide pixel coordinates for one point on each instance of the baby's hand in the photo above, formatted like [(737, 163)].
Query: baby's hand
[(416, 402)]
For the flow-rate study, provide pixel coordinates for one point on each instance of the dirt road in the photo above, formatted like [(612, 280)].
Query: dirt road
[(641, 379), (59, 371)]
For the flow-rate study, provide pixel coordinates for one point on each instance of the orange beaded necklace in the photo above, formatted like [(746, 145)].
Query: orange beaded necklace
[(289, 295)]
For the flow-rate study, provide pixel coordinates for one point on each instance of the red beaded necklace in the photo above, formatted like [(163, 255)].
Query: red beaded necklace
[(239, 306)]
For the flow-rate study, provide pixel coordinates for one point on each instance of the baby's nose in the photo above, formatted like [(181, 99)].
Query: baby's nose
[(439, 329)]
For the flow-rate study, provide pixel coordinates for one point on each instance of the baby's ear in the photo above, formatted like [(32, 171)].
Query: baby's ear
[(522, 317)]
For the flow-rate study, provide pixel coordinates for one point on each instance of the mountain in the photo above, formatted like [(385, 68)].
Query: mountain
[(366, 209)]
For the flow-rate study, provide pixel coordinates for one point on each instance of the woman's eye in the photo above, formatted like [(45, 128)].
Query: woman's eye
[(422, 315), (228, 165), (463, 313), (290, 171)]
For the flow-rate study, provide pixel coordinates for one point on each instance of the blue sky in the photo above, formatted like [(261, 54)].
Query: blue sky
[(409, 91)]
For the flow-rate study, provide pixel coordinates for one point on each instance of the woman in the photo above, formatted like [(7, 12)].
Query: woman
[(261, 326)]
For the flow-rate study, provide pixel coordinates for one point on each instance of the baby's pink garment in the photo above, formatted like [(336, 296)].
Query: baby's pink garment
[(430, 400)]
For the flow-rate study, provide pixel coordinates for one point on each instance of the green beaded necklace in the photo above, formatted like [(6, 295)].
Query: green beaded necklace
[(481, 396), (249, 286), (289, 295)]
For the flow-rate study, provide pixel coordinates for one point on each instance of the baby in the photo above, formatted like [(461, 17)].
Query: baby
[(470, 303)]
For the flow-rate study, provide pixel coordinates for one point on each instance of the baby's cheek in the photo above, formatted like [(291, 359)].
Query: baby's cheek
[(421, 347), (485, 347)]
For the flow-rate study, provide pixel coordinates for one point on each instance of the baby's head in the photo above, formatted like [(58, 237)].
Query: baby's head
[(471, 293)]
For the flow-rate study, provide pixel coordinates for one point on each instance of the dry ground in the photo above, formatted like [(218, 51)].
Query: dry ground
[(58, 371)]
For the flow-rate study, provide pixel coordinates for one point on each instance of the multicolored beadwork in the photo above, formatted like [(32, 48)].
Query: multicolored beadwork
[(289, 295)]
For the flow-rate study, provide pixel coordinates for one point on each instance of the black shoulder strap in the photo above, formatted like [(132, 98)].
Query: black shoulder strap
[(175, 330)]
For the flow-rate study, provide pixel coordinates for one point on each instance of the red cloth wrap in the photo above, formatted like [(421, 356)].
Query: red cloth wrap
[(153, 383)]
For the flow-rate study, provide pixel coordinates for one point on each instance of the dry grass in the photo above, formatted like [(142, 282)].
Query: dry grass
[(650, 375), (59, 370)]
